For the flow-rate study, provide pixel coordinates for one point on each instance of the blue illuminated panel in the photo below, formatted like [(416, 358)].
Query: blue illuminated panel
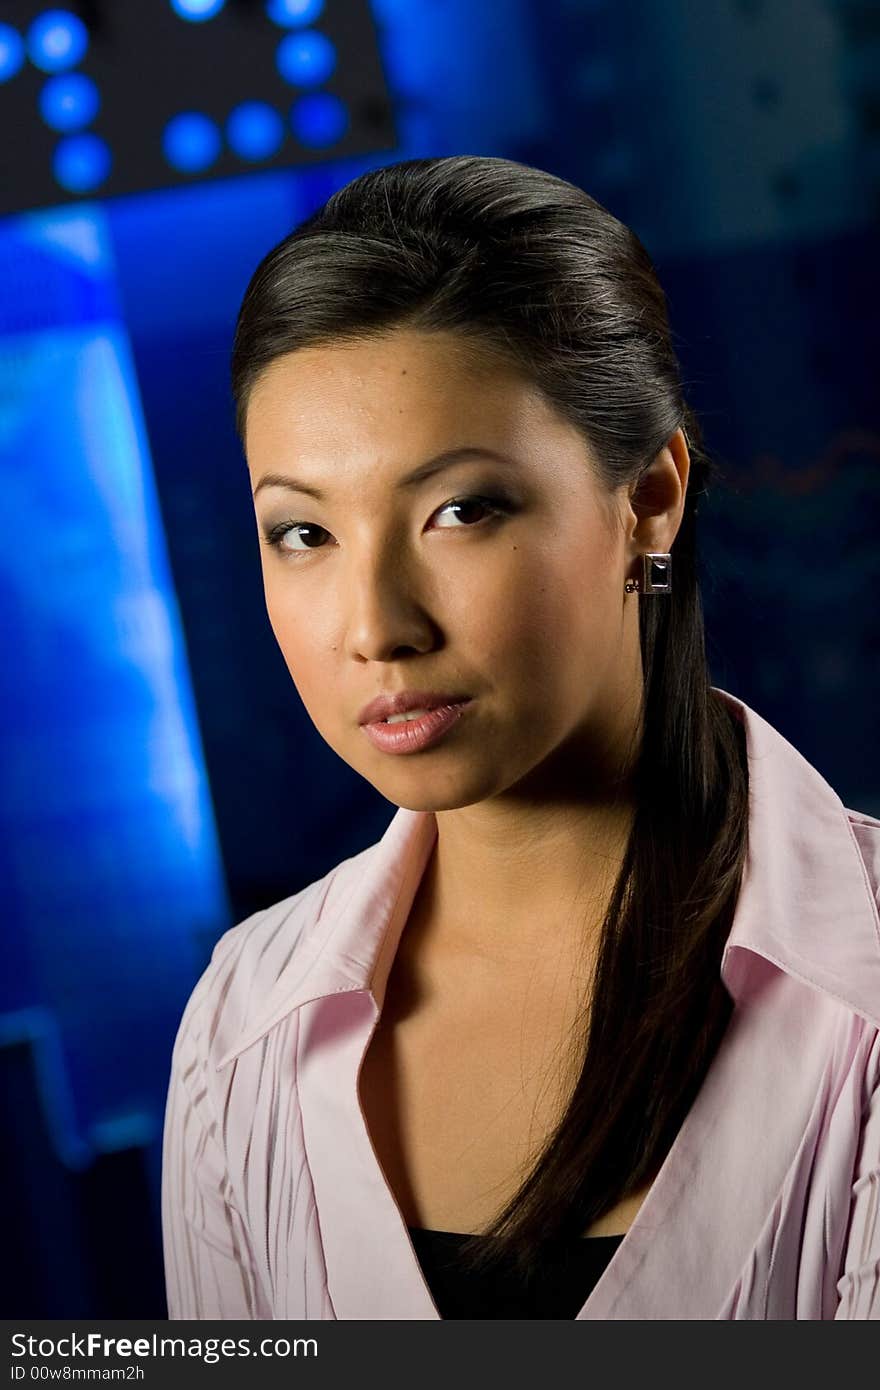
[(110, 863), (181, 92)]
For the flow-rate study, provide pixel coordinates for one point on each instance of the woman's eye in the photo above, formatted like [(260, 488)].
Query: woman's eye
[(278, 536), (466, 506)]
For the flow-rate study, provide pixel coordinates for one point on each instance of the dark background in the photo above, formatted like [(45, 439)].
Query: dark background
[(159, 779)]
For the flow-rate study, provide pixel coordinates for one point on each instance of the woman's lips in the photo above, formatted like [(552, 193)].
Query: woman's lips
[(413, 735)]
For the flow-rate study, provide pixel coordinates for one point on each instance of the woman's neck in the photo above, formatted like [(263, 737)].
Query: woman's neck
[(503, 882)]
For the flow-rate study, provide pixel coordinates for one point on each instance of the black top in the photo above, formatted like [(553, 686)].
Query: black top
[(569, 1274)]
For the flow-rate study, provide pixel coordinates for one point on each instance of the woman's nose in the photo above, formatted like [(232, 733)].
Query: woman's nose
[(384, 611)]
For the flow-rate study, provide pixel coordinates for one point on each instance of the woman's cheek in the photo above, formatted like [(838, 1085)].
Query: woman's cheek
[(297, 618)]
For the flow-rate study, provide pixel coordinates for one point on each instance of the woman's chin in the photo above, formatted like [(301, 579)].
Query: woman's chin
[(421, 795)]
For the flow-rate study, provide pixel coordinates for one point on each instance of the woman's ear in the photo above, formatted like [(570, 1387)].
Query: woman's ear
[(657, 499)]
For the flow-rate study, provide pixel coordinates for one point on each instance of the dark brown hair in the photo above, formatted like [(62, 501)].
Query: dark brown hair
[(531, 267)]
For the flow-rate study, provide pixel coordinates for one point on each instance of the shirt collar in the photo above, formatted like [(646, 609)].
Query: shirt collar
[(805, 902)]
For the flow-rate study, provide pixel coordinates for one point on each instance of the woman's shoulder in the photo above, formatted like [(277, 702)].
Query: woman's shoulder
[(250, 957)]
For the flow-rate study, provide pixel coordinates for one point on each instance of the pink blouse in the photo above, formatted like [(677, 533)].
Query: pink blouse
[(767, 1205)]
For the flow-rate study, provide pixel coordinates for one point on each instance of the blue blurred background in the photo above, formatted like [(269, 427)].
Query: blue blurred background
[(159, 779)]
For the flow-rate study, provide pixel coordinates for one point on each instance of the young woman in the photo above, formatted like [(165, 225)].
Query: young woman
[(593, 1031)]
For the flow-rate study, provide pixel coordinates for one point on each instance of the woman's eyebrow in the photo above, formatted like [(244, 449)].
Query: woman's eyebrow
[(448, 459)]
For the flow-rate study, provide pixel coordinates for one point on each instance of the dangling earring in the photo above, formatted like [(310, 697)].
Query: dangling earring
[(656, 575)]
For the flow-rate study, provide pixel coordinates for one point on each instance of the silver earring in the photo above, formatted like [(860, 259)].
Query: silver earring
[(656, 575)]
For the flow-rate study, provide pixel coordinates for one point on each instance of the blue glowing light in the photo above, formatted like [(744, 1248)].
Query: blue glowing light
[(69, 101), (81, 162), (305, 58), (11, 51), (287, 13), (319, 119), (57, 40), (191, 142), (115, 793), (197, 10), (255, 130)]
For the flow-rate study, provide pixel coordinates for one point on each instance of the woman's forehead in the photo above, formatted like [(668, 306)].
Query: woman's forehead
[(404, 356), (327, 402)]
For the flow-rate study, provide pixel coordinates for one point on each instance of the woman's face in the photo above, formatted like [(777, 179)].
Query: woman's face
[(499, 576)]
